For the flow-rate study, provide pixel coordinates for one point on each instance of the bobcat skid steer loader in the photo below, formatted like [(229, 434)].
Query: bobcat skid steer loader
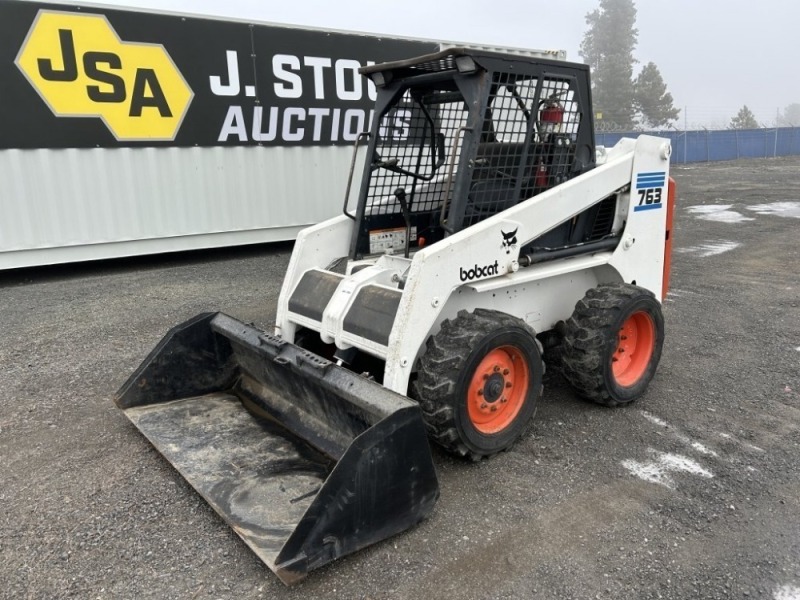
[(490, 236)]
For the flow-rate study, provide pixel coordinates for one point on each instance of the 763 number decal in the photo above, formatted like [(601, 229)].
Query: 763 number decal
[(650, 187)]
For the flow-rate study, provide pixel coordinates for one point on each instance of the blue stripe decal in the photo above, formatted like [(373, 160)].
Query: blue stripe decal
[(654, 179), (646, 207)]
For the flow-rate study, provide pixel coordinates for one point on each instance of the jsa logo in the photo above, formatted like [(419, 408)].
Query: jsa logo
[(81, 68)]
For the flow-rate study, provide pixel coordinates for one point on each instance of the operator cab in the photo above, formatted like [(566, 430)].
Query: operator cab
[(462, 135)]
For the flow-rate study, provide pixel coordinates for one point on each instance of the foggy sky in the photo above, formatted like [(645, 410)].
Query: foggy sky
[(714, 55)]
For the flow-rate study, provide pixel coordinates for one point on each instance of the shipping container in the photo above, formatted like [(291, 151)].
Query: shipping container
[(126, 132)]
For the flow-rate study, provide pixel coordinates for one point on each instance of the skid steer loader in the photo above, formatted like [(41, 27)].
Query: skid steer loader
[(490, 236)]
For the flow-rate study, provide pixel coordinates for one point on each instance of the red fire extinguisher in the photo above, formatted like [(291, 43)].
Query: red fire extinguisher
[(541, 176), (551, 116)]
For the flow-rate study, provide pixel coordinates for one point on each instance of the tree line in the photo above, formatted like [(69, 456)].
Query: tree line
[(623, 101)]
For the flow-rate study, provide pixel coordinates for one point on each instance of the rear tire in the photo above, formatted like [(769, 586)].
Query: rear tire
[(612, 343), (479, 382)]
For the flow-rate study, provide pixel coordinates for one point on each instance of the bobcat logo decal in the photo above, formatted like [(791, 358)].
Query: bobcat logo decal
[(509, 239)]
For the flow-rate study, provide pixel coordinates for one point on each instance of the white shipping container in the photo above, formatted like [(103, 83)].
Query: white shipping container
[(154, 132)]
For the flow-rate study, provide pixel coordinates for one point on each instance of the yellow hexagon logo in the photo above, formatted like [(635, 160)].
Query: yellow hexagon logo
[(81, 68)]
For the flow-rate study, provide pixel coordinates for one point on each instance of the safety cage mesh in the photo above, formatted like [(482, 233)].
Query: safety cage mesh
[(415, 144), (528, 142), (525, 145)]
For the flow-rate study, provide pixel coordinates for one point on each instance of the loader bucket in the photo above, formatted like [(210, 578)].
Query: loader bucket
[(304, 459)]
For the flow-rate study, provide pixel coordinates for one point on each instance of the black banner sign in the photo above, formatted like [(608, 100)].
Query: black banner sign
[(83, 77)]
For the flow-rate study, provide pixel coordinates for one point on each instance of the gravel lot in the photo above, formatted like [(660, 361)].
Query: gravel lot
[(692, 492)]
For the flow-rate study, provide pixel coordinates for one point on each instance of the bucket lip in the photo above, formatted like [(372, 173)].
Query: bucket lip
[(204, 438), (287, 556)]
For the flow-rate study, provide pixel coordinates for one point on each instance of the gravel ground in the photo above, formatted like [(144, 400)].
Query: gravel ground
[(692, 492)]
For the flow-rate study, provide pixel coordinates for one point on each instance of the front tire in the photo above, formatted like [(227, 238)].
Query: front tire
[(479, 382), (612, 343)]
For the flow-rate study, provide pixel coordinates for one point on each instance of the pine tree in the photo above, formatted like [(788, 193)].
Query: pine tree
[(790, 116), (651, 99), (608, 49), (744, 119)]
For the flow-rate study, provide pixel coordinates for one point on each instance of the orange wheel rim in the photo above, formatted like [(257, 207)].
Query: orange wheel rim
[(498, 389), (635, 344)]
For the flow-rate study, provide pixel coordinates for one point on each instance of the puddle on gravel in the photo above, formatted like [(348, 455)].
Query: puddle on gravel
[(718, 212), (701, 448), (654, 419), (779, 209), (663, 466), (710, 249), (787, 592)]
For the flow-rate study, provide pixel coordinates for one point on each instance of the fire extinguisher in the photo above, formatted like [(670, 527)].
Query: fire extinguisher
[(540, 180), (551, 116)]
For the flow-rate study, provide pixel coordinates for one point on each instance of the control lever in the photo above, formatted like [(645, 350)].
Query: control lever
[(400, 194)]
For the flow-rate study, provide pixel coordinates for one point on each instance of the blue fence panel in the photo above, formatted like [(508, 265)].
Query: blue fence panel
[(726, 144), (788, 142), (722, 145), (751, 143)]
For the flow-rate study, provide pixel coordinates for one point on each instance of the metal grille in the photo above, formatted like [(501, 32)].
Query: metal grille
[(604, 219), (416, 140), (444, 63), (527, 145)]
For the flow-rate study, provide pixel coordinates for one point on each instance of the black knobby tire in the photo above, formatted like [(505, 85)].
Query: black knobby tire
[(553, 350), (482, 354), (599, 334)]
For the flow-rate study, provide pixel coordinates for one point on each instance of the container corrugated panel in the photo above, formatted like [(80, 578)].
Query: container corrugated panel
[(76, 204), (84, 175)]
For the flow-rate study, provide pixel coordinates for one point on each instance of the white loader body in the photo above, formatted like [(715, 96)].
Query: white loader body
[(480, 267)]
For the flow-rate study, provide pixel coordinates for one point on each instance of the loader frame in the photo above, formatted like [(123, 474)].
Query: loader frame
[(465, 243)]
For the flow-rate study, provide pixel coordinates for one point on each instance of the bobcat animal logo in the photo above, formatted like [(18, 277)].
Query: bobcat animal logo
[(509, 239)]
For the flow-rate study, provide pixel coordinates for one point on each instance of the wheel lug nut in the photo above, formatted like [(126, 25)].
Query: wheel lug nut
[(623, 337), (614, 359), (504, 400), (508, 384), (506, 371), (484, 405), (480, 392), (621, 350), (496, 369), (494, 408), (485, 376)]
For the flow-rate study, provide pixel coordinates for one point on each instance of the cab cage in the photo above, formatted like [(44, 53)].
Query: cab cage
[(462, 135)]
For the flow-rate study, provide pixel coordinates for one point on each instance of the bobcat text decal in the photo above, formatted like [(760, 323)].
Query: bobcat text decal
[(478, 272), (81, 68)]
